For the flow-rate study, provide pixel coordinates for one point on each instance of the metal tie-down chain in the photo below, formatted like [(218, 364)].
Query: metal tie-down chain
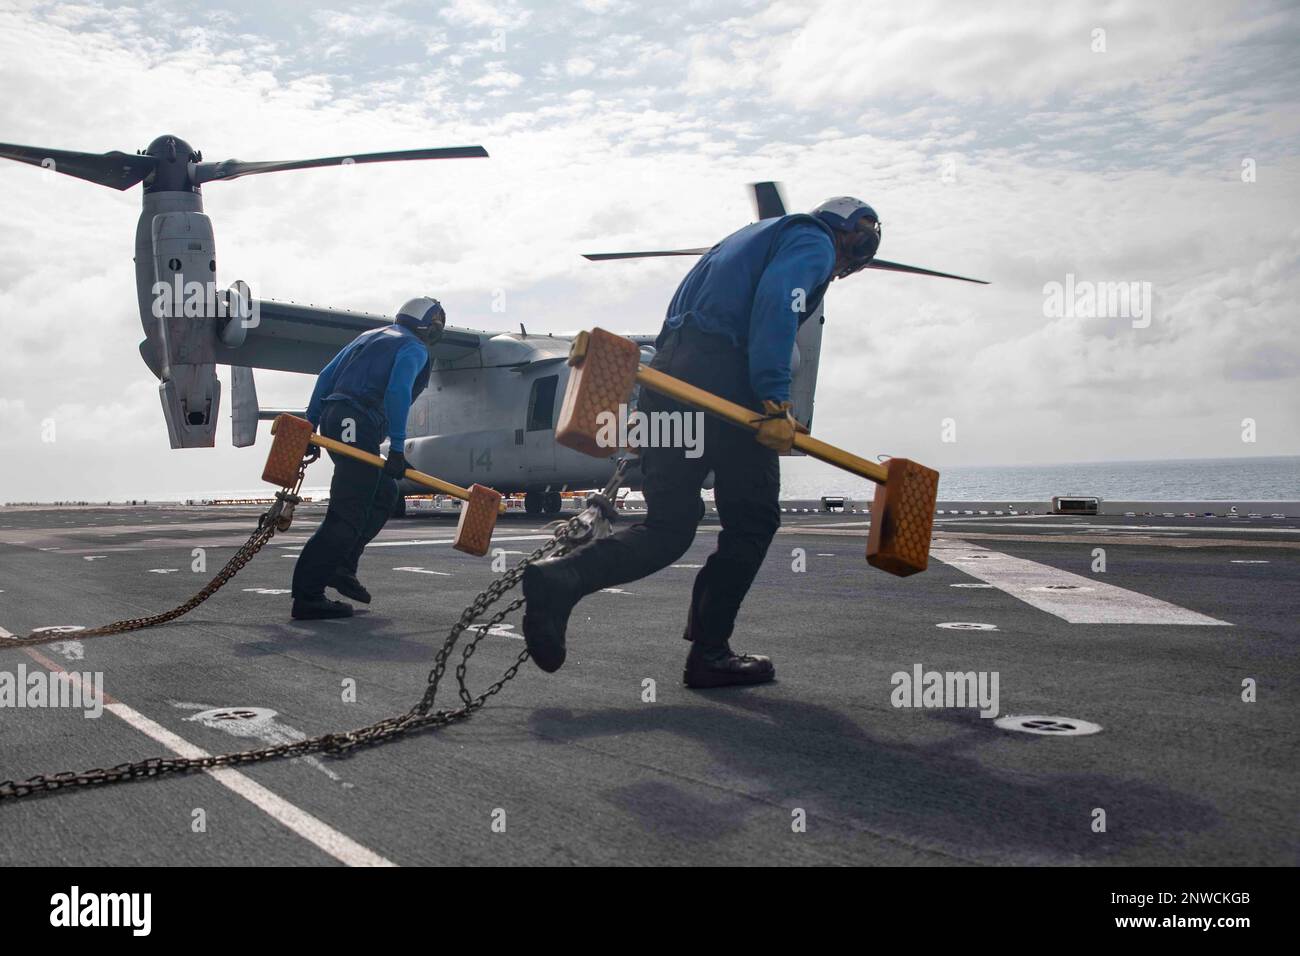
[(276, 518), (591, 523)]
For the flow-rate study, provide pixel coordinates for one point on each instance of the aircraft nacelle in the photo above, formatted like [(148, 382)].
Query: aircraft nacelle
[(181, 311), (175, 260)]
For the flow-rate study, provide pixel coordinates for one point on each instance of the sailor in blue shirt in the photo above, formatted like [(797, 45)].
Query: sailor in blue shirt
[(730, 329), (362, 397)]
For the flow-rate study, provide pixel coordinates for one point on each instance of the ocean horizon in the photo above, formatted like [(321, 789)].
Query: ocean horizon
[(1271, 478), (1264, 478)]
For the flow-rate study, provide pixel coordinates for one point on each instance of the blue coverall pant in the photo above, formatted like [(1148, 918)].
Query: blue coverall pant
[(747, 481), (362, 499)]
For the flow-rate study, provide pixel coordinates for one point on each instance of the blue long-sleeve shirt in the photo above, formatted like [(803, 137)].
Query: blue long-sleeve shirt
[(754, 287), (384, 370)]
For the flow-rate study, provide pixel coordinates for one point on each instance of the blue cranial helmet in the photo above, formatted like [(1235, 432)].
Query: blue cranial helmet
[(855, 218), (424, 316)]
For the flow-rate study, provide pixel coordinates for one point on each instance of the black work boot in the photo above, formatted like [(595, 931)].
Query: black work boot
[(551, 588), (346, 583), (319, 608), (715, 665)]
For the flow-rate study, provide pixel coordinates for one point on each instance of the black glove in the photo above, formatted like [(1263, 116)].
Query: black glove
[(313, 451), (395, 466)]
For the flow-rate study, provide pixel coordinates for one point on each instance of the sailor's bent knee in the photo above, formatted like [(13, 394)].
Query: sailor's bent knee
[(760, 522), (672, 536)]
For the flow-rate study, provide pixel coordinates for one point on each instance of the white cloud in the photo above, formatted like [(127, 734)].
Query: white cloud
[(366, 24), (485, 13), (579, 66), (846, 51), (497, 75)]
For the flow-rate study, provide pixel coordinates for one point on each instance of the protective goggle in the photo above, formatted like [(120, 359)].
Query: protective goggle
[(869, 229), (433, 332), (866, 240)]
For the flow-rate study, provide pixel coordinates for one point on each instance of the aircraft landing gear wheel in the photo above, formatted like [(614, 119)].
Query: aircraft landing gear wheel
[(553, 502), (533, 502), (399, 507)]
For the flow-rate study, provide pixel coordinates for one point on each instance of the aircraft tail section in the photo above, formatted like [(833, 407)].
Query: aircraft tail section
[(808, 349)]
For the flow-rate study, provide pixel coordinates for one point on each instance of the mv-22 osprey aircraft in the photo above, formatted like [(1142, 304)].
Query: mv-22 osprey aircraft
[(489, 412)]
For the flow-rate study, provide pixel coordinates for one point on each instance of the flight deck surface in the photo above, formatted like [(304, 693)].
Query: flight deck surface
[(581, 767)]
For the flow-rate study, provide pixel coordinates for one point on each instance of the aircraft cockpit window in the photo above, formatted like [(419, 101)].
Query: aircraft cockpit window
[(541, 404)]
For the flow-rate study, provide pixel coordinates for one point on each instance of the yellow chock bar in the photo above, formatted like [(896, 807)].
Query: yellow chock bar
[(606, 367), (293, 435)]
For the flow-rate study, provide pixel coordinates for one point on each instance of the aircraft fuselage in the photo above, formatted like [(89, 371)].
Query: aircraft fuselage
[(495, 425)]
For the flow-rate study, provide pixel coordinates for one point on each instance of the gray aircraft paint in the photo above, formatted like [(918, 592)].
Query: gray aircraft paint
[(172, 230)]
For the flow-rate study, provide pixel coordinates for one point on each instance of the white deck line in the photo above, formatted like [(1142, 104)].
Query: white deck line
[(1095, 601)]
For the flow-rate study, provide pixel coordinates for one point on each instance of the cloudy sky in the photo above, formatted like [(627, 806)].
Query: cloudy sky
[(1146, 142)]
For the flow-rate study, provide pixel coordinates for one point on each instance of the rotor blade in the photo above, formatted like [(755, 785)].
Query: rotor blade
[(234, 168), (916, 270), (117, 170), (768, 200), (601, 256)]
